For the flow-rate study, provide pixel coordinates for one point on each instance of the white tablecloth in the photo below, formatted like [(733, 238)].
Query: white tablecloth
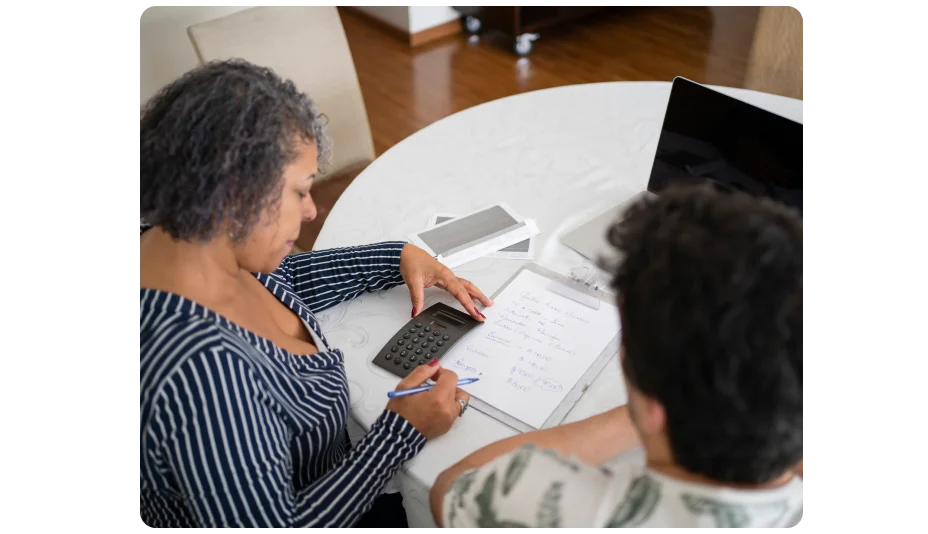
[(559, 156)]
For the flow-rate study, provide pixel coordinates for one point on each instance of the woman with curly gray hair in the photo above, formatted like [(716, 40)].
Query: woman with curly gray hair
[(243, 402)]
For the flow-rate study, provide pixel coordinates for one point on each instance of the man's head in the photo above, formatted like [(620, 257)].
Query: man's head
[(709, 288)]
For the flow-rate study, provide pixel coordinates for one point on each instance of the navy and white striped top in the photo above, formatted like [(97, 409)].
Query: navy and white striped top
[(237, 431)]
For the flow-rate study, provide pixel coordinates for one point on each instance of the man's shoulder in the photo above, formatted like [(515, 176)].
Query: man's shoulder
[(532, 487), (656, 500)]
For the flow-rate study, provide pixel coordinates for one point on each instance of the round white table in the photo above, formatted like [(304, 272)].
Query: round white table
[(559, 156)]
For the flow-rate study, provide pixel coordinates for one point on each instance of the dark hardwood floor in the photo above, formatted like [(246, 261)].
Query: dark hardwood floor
[(406, 89)]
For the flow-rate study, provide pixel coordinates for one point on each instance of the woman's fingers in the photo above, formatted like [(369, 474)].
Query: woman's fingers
[(475, 292)]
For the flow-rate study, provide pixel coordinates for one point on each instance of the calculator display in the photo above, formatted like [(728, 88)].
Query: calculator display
[(448, 318)]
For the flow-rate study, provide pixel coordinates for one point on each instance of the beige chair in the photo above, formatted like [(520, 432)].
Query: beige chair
[(775, 60), (306, 45)]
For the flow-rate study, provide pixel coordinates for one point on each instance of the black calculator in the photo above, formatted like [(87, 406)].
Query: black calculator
[(424, 338)]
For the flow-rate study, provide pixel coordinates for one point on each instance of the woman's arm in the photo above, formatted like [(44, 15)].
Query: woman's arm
[(592, 441), (228, 445), (324, 278)]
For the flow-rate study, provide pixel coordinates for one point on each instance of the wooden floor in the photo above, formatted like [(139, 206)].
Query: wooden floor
[(407, 89)]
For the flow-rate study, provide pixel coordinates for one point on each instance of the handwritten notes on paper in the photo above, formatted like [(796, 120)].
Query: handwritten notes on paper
[(533, 348)]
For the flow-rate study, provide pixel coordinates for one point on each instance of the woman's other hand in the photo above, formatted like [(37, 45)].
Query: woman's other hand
[(431, 412), (420, 271)]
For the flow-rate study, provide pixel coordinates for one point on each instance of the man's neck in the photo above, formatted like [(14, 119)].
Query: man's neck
[(675, 471)]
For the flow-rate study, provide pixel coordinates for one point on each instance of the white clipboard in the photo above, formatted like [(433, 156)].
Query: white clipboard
[(581, 293)]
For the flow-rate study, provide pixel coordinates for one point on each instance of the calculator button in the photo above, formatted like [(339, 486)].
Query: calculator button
[(428, 356), (428, 328), (434, 349), (394, 349), (400, 342), (409, 347), (421, 362), (388, 356), (436, 333), (411, 330), (412, 357), (406, 335), (425, 344), (430, 339), (403, 353), (440, 343), (406, 365), (397, 361), (418, 351), (418, 325), (446, 338), (421, 334)]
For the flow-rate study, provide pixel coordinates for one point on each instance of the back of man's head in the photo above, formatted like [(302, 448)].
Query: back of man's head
[(710, 293)]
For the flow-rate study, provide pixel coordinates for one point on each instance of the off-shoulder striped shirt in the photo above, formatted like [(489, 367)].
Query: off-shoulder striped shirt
[(238, 431)]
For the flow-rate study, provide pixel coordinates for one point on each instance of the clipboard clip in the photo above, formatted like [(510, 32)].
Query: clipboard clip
[(577, 292)]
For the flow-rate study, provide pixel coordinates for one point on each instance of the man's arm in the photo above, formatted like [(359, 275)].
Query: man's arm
[(592, 441)]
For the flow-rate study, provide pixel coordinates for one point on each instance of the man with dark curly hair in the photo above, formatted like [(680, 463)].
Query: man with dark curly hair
[(709, 289), (244, 403)]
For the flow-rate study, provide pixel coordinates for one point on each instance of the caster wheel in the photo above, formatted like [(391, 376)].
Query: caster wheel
[(524, 43), (472, 24)]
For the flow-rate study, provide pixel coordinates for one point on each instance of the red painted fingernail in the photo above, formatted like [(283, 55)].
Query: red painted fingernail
[(433, 363), (480, 314), (413, 314)]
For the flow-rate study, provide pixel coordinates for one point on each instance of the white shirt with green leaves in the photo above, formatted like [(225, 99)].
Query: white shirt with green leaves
[(530, 487)]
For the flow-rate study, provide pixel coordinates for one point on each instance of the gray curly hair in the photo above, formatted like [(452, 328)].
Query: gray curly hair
[(215, 143)]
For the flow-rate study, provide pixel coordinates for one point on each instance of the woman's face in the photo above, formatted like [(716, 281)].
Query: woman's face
[(278, 228)]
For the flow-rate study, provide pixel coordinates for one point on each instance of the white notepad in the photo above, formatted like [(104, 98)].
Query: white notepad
[(533, 350)]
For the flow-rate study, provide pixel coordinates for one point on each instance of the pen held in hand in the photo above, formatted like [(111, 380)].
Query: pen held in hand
[(420, 389)]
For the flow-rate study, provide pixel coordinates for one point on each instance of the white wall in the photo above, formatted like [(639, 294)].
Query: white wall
[(166, 49), (425, 17), (398, 17), (412, 19)]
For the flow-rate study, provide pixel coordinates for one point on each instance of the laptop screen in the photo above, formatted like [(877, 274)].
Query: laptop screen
[(709, 136)]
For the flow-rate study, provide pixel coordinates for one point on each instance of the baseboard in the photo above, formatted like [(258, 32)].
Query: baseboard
[(452, 27), (415, 39), (392, 30)]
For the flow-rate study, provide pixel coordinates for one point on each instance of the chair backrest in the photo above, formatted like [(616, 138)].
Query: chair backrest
[(775, 61), (306, 45)]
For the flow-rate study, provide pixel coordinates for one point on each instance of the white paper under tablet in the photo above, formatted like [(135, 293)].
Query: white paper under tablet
[(468, 229)]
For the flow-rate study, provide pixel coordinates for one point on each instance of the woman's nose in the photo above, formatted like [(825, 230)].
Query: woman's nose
[(309, 209)]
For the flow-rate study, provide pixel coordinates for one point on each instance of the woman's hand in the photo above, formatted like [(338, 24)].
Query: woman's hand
[(431, 412), (420, 271)]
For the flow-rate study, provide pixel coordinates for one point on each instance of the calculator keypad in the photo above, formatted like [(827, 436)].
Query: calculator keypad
[(419, 343)]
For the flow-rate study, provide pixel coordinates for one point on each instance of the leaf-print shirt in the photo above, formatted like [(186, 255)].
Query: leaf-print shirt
[(530, 487)]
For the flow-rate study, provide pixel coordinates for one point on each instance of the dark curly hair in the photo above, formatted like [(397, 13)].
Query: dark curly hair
[(214, 146), (709, 287)]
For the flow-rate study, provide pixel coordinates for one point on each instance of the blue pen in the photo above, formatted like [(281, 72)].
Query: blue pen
[(420, 389)]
